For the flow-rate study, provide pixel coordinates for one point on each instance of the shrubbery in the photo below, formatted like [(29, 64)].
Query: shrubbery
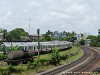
[(55, 56), (64, 57), (82, 42), (32, 65), (13, 48), (10, 69), (2, 56)]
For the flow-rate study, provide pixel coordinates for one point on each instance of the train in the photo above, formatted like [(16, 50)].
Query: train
[(27, 50)]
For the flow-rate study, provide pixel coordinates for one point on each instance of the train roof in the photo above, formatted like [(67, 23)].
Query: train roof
[(35, 43)]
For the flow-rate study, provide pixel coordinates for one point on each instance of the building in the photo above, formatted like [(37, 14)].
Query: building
[(25, 38), (35, 36), (1, 36), (87, 42), (81, 36), (56, 35), (63, 35), (98, 31)]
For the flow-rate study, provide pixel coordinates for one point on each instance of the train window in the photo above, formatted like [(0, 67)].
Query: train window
[(49, 46), (43, 47), (34, 48)]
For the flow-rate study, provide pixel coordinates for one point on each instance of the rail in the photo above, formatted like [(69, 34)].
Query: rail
[(66, 66)]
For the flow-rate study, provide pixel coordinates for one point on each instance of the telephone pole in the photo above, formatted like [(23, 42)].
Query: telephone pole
[(38, 32)]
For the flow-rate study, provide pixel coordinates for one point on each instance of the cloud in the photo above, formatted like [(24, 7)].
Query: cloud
[(0, 19), (7, 14), (78, 15)]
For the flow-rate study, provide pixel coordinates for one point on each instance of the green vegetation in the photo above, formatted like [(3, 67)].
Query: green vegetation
[(55, 56), (95, 40), (95, 74), (2, 56), (44, 62), (82, 42), (32, 65), (7, 70), (15, 35), (13, 48), (19, 34)]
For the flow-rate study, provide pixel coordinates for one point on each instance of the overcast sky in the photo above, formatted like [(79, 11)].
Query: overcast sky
[(81, 16)]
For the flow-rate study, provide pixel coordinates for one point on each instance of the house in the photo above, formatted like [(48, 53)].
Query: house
[(58, 35), (35, 36)]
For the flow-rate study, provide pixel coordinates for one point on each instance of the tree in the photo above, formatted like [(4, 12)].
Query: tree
[(95, 41), (64, 32), (49, 33), (48, 36), (91, 37), (73, 33), (15, 35), (82, 42), (4, 31)]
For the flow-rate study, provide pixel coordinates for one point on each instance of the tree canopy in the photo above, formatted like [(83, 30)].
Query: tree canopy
[(15, 35), (95, 41)]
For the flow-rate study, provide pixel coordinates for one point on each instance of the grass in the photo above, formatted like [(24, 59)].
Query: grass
[(72, 50), (73, 58), (95, 74), (47, 57)]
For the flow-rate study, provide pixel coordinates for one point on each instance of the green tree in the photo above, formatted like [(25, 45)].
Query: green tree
[(15, 35), (82, 42), (91, 37), (4, 31), (95, 41)]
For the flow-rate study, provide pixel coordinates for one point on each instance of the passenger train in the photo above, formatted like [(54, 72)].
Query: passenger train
[(27, 50), (44, 46)]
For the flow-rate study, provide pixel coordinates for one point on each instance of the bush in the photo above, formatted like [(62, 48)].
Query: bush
[(13, 48), (55, 56), (64, 57), (10, 69), (3, 71), (32, 65), (82, 42), (2, 56)]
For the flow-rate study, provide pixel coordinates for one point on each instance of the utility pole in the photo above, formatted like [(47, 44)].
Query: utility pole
[(29, 26), (38, 32)]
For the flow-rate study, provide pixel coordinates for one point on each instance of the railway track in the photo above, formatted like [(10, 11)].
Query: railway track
[(62, 68), (86, 69), (79, 67)]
